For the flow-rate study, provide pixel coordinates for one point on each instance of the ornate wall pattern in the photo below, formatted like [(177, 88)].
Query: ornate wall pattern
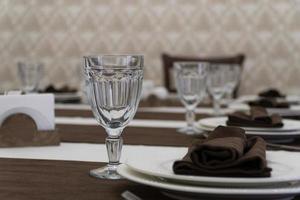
[(59, 32)]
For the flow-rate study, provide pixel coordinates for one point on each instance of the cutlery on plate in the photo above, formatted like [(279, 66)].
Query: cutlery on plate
[(130, 196)]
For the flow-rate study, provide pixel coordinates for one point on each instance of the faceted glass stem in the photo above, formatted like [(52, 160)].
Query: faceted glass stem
[(190, 129), (229, 95), (190, 118), (217, 106), (114, 148)]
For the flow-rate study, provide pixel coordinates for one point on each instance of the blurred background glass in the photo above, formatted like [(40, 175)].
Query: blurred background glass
[(217, 84), (30, 74), (191, 87), (232, 74)]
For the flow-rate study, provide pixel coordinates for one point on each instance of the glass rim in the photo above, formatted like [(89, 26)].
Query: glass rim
[(191, 62), (138, 65), (103, 55), (226, 64)]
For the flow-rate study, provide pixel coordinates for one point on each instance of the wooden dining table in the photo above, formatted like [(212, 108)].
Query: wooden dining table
[(51, 173)]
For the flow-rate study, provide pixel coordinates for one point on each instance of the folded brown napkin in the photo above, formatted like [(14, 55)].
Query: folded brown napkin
[(258, 117), (271, 93), (269, 103), (226, 153)]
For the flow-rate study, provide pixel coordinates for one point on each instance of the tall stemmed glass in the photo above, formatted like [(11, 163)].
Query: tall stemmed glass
[(114, 84), (190, 80), (233, 77), (217, 84)]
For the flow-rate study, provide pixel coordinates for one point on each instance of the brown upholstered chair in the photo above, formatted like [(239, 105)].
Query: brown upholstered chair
[(169, 60)]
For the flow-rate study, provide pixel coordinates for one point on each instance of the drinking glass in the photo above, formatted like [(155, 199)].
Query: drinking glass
[(30, 75), (217, 84), (114, 84), (233, 77), (190, 78)]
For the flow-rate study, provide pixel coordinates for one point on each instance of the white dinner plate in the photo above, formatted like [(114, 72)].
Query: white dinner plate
[(190, 191), (261, 133), (213, 122), (247, 98), (283, 171), (295, 112)]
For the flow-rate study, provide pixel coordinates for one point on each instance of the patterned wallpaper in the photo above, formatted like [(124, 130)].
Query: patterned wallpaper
[(59, 32)]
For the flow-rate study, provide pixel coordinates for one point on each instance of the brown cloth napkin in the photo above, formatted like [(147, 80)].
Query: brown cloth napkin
[(258, 117), (271, 93), (226, 153), (269, 103)]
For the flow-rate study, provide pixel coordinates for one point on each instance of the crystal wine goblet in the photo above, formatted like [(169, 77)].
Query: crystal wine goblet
[(30, 75), (190, 78), (217, 84), (232, 74), (114, 84)]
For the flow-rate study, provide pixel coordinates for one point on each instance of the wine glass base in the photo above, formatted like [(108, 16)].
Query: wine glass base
[(105, 173), (190, 130)]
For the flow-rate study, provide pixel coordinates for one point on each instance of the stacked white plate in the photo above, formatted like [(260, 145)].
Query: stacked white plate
[(156, 171), (282, 111), (293, 99), (241, 104), (287, 133)]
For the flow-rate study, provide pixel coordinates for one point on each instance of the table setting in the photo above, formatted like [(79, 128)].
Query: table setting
[(273, 100), (168, 152), (150, 100), (270, 127)]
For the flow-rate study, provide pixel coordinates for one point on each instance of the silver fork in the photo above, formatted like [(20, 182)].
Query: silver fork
[(127, 195)]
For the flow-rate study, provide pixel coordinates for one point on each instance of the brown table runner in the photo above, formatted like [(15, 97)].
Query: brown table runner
[(153, 101), (139, 114), (27, 179), (131, 135)]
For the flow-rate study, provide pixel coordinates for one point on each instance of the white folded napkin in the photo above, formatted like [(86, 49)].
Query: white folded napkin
[(40, 107), (160, 92), (147, 88), (14, 92), (150, 89)]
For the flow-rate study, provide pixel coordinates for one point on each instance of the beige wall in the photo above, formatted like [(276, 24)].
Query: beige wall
[(59, 32)]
